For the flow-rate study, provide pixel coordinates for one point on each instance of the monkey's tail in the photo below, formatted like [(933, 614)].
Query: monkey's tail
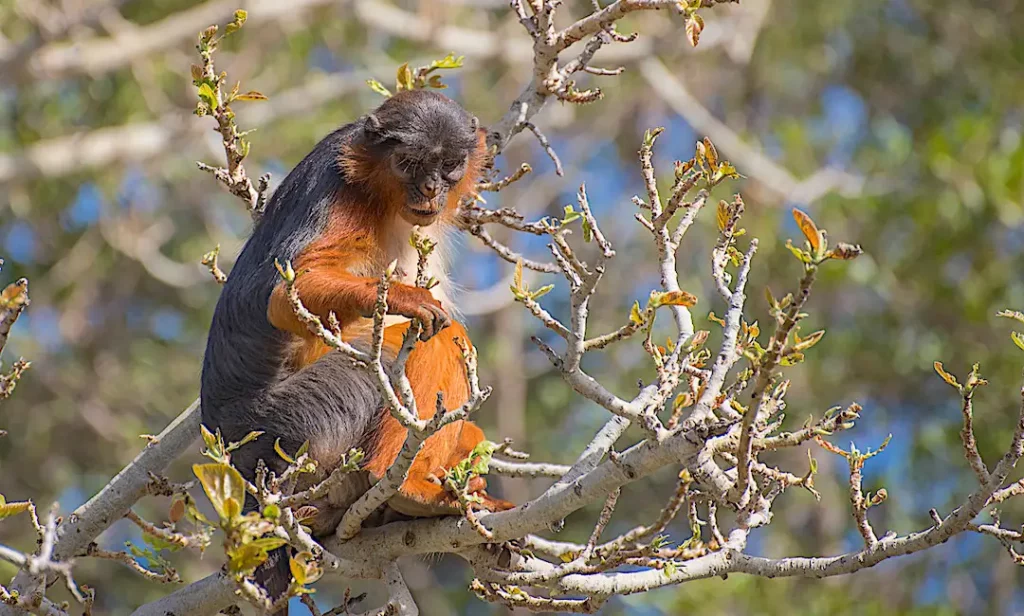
[(274, 576)]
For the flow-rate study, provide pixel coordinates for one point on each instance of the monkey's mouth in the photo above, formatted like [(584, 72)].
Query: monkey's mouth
[(426, 208), (423, 207)]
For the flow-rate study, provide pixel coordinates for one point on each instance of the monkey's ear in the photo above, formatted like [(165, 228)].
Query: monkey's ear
[(474, 124), (373, 127)]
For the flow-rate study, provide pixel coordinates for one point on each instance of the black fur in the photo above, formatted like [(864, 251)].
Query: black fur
[(246, 385)]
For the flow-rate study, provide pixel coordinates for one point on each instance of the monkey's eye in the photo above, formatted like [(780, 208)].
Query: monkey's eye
[(403, 165), (453, 169)]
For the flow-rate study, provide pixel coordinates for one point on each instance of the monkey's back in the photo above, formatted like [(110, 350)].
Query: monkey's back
[(247, 383)]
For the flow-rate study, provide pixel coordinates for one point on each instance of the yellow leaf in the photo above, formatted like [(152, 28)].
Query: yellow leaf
[(711, 153), (701, 154), (222, 485), (9, 509), (634, 314), (517, 279), (694, 26), (682, 401), (809, 229), (304, 568), (1011, 314), (699, 338), (809, 341), (726, 170), (403, 79), (1018, 339), (722, 213), (251, 95), (678, 298), (947, 377)]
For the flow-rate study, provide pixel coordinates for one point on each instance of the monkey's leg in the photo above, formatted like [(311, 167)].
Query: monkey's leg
[(435, 366), (330, 403)]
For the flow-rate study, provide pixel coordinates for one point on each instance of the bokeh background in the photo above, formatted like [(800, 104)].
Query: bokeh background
[(906, 115)]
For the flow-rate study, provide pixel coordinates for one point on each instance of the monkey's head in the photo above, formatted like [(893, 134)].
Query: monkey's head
[(430, 146)]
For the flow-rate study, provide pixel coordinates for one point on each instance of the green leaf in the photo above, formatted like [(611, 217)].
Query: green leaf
[(651, 135), (286, 271), (252, 436), (570, 215), (541, 292), (246, 557), (207, 95), (813, 463), (209, 438), (449, 61), (517, 278), (224, 487), (284, 456), (725, 170), (791, 359), (159, 543), (378, 87), (799, 253)]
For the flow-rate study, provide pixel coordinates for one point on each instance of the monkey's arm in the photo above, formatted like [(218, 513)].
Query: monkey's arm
[(324, 285)]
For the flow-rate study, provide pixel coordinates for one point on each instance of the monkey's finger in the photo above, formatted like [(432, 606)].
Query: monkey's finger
[(437, 320), (426, 320), (476, 484)]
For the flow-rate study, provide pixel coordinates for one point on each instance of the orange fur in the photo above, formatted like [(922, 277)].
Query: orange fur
[(334, 276)]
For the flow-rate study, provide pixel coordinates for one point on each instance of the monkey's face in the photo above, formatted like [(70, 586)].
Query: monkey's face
[(428, 174), (426, 140)]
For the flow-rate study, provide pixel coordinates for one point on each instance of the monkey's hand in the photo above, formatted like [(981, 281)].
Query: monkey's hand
[(418, 303), (478, 488)]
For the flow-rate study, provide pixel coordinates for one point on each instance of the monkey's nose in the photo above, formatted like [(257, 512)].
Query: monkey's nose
[(429, 188)]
